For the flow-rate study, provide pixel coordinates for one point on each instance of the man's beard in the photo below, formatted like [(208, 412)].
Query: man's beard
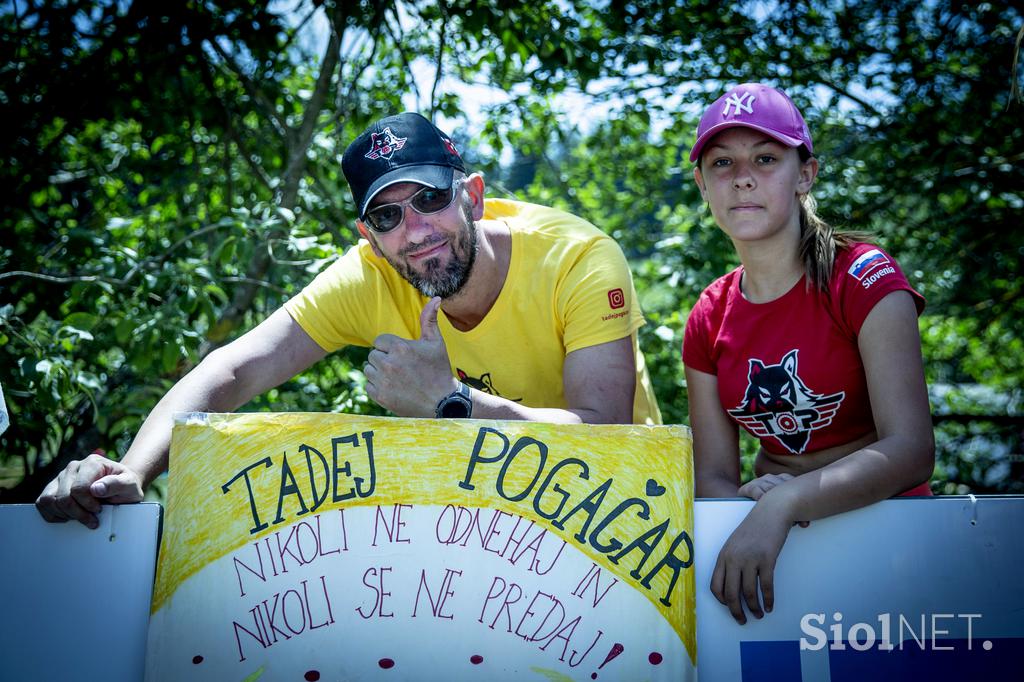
[(449, 280)]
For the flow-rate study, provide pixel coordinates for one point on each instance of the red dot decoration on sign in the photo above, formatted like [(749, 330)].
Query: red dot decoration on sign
[(386, 663), (311, 675), (196, 660), (476, 659), (654, 658)]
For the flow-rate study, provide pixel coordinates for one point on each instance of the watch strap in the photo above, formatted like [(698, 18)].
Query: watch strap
[(460, 400)]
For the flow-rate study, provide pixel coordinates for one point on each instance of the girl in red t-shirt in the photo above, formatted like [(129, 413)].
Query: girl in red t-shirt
[(811, 345)]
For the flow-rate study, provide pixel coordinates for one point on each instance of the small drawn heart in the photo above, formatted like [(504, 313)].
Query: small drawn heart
[(653, 489)]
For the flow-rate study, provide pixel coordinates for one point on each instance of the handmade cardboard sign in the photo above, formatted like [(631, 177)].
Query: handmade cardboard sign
[(337, 547)]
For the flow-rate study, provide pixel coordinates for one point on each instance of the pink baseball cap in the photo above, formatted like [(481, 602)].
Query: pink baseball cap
[(752, 105)]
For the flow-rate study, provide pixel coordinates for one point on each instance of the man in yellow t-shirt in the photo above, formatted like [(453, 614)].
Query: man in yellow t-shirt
[(494, 310)]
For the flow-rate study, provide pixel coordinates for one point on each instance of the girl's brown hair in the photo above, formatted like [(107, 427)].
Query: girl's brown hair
[(819, 241)]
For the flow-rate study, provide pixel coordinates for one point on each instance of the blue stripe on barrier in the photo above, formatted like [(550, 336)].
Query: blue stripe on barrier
[(770, 661), (948, 660), (1004, 661)]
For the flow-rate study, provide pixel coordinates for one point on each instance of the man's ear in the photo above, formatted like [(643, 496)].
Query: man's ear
[(699, 179), (808, 172), (365, 232), (475, 187)]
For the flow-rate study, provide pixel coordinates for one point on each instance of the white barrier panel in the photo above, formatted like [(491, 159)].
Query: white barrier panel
[(334, 547), (939, 580), (906, 589), (73, 601)]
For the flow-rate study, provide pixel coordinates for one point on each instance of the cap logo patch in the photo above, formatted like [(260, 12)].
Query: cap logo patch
[(451, 146), (739, 103), (384, 144)]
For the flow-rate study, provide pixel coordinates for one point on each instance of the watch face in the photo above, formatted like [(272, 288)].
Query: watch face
[(454, 408), (457, 405)]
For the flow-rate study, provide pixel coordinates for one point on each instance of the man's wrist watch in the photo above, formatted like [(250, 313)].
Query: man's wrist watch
[(456, 405)]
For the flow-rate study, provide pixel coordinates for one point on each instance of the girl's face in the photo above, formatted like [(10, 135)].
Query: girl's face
[(753, 184)]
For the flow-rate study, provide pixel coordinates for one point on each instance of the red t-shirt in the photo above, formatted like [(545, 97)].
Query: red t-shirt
[(789, 371)]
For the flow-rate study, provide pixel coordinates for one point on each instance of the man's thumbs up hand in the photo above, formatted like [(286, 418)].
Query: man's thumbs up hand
[(428, 321), (410, 377)]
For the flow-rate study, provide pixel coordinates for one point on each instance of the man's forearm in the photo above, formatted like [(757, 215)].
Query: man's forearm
[(210, 387), (487, 406)]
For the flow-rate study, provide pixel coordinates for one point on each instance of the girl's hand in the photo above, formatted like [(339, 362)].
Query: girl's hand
[(762, 484), (747, 562)]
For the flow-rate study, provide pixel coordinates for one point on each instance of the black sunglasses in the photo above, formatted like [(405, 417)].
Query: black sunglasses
[(427, 201)]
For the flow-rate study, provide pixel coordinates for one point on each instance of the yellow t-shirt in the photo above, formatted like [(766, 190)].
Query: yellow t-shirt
[(568, 287)]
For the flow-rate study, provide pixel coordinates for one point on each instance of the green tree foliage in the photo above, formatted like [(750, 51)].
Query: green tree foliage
[(173, 174), (920, 143), (164, 199)]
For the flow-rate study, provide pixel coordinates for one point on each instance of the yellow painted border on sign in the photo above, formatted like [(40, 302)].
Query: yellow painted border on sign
[(237, 477)]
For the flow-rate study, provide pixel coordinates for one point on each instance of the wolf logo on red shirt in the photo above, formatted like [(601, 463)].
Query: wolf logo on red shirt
[(778, 404)]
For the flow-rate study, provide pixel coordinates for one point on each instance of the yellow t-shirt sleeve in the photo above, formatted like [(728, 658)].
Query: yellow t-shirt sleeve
[(351, 302), (596, 299)]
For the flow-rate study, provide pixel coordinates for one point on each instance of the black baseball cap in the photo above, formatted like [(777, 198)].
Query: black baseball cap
[(402, 148)]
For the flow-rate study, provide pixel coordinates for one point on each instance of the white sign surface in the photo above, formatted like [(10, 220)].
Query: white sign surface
[(75, 601)]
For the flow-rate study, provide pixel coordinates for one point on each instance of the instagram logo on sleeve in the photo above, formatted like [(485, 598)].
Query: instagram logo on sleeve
[(616, 299)]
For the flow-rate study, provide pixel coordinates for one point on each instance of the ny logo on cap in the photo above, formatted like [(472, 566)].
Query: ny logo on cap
[(384, 144), (744, 102)]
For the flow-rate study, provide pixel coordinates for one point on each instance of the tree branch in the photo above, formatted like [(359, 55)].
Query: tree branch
[(850, 96), (298, 28), (59, 279), (1015, 95), (440, 58), (257, 283), (252, 90), (299, 144), (132, 272), (342, 109), (398, 41), (304, 135)]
